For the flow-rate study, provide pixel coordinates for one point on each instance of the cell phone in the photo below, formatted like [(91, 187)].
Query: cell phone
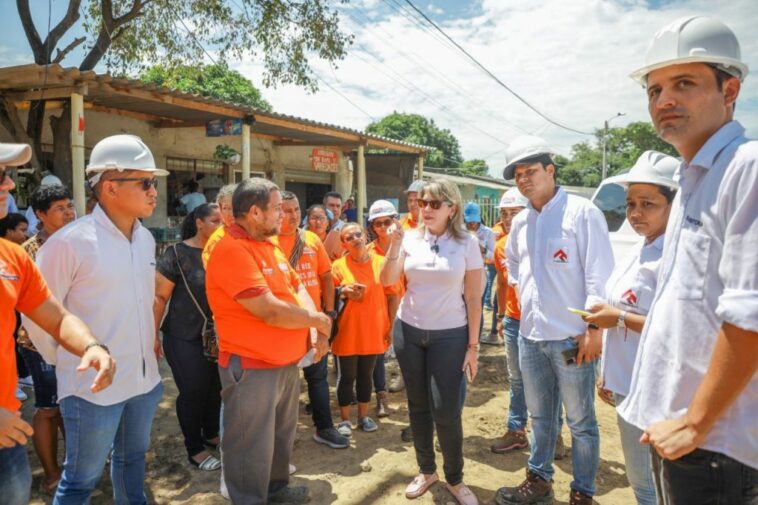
[(569, 355), (391, 229), (469, 374), (578, 312)]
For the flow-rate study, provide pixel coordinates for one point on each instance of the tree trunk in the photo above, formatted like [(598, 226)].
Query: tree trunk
[(61, 127)]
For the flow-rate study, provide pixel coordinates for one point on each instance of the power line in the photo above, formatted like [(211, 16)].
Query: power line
[(493, 76)]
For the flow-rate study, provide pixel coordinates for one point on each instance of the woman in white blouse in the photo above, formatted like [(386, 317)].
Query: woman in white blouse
[(436, 332), (631, 288)]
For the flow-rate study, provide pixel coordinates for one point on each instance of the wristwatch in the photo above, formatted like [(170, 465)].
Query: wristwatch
[(97, 344), (621, 323), (332, 314)]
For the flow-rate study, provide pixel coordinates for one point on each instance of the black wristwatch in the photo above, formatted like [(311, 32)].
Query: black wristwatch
[(97, 344), (332, 314)]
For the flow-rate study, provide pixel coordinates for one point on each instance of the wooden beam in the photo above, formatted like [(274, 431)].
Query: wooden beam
[(360, 182), (34, 76), (320, 130), (142, 116), (306, 143), (49, 93), (395, 146)]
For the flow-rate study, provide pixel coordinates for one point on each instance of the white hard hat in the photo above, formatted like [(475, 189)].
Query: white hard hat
[(121, 152), (522, 149), (415, 186), (652, 167), (381, 208), (50, 180), (512, 199), (694, 39), (14, 155)]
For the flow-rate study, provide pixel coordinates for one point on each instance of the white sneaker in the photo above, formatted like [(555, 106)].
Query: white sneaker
[(345, 428), (20, 395), (292, 469), (26, 382)]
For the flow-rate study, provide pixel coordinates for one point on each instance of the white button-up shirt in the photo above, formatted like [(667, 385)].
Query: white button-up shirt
[(708, 276), (486, 238), (109, 283), (559, 257), (630, 288)]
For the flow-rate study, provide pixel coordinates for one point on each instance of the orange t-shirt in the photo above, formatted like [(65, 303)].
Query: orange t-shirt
[(498, 230), (313, 263), (407, 223), (22, 288), (214, 239), (241, 267), (399, 287), (364, 324), (510, 300)]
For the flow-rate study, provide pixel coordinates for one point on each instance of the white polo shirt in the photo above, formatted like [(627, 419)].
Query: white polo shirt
[(109, 283), (559, 257), (434, 269), (708, 276), (630, 288)]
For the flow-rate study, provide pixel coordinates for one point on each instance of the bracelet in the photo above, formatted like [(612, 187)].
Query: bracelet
[(473, 347), (97, 344)]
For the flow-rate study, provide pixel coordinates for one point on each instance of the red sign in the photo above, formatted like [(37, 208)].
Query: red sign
[(323, 160)]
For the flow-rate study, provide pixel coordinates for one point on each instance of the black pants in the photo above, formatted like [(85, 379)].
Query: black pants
[(704, 478), (355, 371), (380, 374), (431, 363), (198, 405), (318, 394)]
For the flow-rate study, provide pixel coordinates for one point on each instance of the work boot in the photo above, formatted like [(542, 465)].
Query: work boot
[(382, 409), (396, 384), (577, 498), (406, 435), (511, 441), (533, 491), (560, 449), (490, 339)]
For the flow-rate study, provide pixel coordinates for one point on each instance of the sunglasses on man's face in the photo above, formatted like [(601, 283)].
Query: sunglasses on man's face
[(434, 204), (384, 223), (146, 181)]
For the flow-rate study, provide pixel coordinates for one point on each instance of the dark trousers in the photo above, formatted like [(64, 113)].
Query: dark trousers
[(431, 363), (318, 394), (380, 374), (355, 372), (198, 405), (704, 478)]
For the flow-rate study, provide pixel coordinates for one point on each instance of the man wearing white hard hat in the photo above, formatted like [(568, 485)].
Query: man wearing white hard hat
[(559, 256), (694, 389), (23, 288), (103, 267), (650, 190), (411, 220)]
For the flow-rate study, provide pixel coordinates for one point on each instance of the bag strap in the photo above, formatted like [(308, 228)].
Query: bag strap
[(297, 250), (186, 285)]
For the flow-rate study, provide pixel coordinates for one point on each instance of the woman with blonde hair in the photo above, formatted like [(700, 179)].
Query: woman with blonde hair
[(436, 332)]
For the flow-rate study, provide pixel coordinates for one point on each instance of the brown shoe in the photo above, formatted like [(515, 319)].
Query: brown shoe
[(577, 498), (533, 491), (511, 441), (382, 409), (560, 449)]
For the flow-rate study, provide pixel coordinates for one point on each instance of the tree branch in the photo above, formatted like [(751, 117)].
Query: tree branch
[(31, 32), (71, 17), (107, 35), (62, 53), (11, 121)]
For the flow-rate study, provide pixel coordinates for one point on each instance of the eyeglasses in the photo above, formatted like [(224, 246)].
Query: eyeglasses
[(385, 223), (434, 204), (352, 236), (146, 181), (317, 219)]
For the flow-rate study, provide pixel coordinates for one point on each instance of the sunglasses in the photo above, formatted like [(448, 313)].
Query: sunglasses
[(434, 204), (385, 223), (146, 181), (352, 236)]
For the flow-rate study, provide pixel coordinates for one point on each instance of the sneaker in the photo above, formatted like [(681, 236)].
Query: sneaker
[(406, 435), (396, 384), (560, 449), (367, 424), (490, 339), (577, 498), (331, 437), (26, 382), (382, 408), (511, 441), (290, 494), (345, 428), (20, 395), (533, 491)]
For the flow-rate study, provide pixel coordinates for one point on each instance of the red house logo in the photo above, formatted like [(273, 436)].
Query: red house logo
[(560, 256), (629, 298)]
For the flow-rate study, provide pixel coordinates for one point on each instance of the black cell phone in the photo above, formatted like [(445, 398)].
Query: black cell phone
[(569, 355)]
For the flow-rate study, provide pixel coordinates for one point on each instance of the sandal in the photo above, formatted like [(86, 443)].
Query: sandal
[(209, 464), (463, 494), (419, 485)]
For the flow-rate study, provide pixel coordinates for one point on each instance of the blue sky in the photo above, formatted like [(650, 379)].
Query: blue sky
[(571, 59)]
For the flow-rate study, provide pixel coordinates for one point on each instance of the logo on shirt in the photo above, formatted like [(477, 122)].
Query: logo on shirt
[(629, 298), (308, 251), (694, 221), (284, 266), (5, 274), (560, 256)]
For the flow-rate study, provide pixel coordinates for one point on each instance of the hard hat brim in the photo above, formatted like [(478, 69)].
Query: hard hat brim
[(626, 180), (381, 214), (14, 155), (158, 172), (640, 75)]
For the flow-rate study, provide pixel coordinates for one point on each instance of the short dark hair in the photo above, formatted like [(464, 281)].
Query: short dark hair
[(288, 195), (189, 225), (192, 186), (331, 194), (43, 197), (668, 193), (10, 222), (721, 77), (544, 159), (256, 191)]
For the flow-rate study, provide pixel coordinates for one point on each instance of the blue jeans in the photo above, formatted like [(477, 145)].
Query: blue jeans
[(491, 273), (15, 476), (548, 380), (318, 394), (91, 432), (517, 413), (639, 469)]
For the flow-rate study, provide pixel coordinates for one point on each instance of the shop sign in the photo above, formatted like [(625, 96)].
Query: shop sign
[(222, 127), (323, 160)]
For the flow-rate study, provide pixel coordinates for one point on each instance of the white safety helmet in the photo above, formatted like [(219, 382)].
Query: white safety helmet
[(50, 180), (415, 186), (121, 152), (652, 167), (693, 39), (381, 208), (14, 155), (523, 149), (512, 199)]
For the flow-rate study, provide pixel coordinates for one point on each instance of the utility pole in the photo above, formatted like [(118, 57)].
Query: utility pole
[(605, 144)]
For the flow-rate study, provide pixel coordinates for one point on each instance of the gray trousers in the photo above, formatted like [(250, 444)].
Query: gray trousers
[(260, 421)]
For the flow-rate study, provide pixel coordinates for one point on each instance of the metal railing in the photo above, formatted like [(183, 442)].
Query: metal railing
[(490, 211)]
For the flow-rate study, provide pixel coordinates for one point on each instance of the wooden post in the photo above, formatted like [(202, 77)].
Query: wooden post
[(420, 164), (360, 182), (77, 152), (245, 151)]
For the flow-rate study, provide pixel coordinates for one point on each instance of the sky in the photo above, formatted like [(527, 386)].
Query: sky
[(569, 59)]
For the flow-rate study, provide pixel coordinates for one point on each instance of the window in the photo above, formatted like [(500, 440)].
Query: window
[(611, 200)]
